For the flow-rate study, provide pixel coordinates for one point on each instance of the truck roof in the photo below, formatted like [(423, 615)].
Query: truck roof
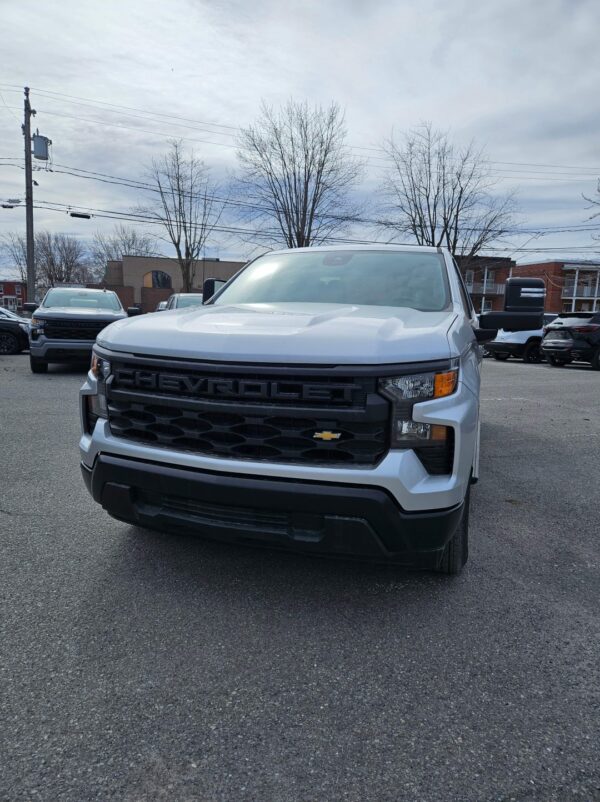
[(371, 247)]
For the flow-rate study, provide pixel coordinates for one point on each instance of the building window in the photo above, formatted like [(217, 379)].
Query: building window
[(17, 289), (157, 279), (469, 277), (486, 306), (1, 289)]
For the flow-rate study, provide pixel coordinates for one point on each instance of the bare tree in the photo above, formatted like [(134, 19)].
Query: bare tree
[(442, 195), (298, 173), (187, 205), (14, 247), (61, 259), (594, 203), (124, 241)]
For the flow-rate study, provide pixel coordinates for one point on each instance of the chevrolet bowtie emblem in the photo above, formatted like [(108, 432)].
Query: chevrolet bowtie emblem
[(327, 436)]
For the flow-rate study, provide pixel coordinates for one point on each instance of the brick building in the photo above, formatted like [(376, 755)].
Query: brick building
[(13, 294), (146, 280), (485, 277), (570, 286)]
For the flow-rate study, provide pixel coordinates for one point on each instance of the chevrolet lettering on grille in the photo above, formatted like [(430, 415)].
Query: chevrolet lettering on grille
[(223, 387)]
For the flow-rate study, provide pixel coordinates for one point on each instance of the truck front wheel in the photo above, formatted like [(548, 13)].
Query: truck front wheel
[(37, 365), (456, 552), (501, 357)]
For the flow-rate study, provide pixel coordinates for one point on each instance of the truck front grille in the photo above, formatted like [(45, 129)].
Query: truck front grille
[(73, 329), (350, 429)]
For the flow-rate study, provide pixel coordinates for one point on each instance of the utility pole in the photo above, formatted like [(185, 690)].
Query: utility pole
[(29, 112)]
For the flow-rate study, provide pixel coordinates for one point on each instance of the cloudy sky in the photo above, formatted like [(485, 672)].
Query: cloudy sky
[(112, 82)]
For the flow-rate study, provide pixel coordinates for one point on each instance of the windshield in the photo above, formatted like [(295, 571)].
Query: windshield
[(378, 278), (11, 315), (89, 299), (188, 300)]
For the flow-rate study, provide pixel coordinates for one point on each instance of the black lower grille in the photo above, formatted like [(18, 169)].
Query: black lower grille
[(73, 330), (249, 520), (339, 433)]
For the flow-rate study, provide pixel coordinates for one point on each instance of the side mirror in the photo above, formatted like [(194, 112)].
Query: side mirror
[(30, 307), (485, 335), (524, 295), (132, 311), (523, 306), (210, 287)]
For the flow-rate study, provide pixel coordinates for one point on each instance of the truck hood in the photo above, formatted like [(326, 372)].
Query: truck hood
[(83, 313), (287, 333)]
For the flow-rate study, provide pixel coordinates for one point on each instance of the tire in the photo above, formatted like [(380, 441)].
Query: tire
[(596, 359), (501, 357), (532, 353), (456, 552), (9, 344), (555, 362), (37, 365)]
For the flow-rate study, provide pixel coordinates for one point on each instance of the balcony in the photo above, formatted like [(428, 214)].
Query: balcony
[(580, 291), (485, 288)]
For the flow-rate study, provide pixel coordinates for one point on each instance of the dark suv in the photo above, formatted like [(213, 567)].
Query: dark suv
[(573, 335)]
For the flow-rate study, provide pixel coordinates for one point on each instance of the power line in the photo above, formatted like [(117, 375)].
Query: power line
[(9, 109), (155, 220), (132, 128), (51, 95), (136, 184)]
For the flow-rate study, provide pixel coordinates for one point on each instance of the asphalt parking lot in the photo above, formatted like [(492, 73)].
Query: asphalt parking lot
[(141, 666)]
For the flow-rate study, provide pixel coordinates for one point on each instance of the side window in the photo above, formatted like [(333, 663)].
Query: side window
[(466, 299)]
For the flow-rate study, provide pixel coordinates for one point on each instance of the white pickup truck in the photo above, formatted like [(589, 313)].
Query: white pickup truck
[(326, 400)]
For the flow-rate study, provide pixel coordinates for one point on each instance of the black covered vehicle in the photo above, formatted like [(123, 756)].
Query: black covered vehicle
[(65, 325), (13, 336), (573, 336)]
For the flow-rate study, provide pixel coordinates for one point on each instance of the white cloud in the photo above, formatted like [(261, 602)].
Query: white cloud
[(519, 77)]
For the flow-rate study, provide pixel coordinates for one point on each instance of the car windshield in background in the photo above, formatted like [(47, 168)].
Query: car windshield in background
[(376, 278), (6, 313), (82, 299), (189, 300)]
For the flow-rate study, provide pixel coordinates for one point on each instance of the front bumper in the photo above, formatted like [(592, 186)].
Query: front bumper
[(53, 350), (313, 517), (400, 473)]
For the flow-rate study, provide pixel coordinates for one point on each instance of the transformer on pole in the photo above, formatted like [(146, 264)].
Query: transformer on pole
[(41, 145)]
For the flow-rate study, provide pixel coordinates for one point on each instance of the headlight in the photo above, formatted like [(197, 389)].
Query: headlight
[(406, 391), (36, 321), (95, 405), (420, 386), (100, 368)]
